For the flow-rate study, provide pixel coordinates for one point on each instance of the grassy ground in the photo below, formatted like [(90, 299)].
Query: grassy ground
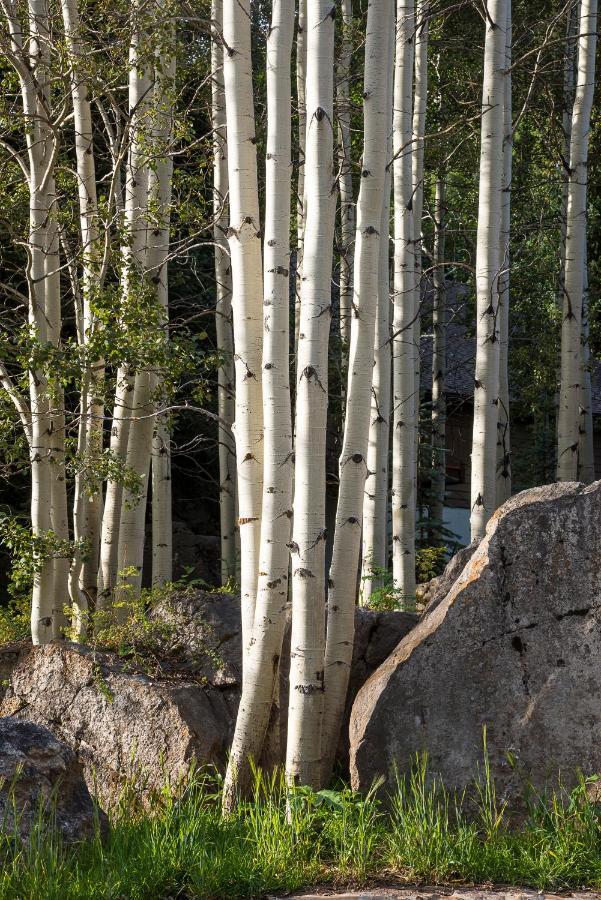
[(281, 841)]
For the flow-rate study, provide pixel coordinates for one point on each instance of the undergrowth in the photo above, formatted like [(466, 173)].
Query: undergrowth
[(281, 839)]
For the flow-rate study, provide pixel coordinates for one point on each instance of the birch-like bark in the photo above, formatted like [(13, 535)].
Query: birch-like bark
[(41, 153), (345, 180), (301, 103), (569, 86), (503, 423), (303, 756), (263, 651), (375, 497), (223, 309), (59, 520), (247, 294), (159, 191), (109, 536), (87, 508), (439, 363), (586, 457), (420, 103), (132, 524), (152, 264), (342, 583), (568, 443), (404, 435), (486, 393), (162, 516), (113, 550)]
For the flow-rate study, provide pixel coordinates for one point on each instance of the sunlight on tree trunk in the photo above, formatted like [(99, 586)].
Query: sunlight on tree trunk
[(342, 583), (486, 393), (404, 404), (569, 438), (303, 755)]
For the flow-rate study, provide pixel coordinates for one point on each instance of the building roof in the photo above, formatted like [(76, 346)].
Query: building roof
[(461, 347)]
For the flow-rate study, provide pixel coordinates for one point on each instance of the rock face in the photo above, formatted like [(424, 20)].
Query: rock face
[(38, 773), (121, 723), (435, 590), (204, 635), (514, 646), (153, 723), (10, 656)]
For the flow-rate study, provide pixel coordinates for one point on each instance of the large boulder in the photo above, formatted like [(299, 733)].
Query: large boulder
[(10, 656), (41, 780), (432, 592), (151, 719), (203, 633), (514, 646), (123, 724)]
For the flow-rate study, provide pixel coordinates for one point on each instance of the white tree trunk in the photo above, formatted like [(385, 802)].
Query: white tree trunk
[(59, 520), (129, 394), (568, 445), (247, 294), (439, 364), (109, 538), (586, 457), (87, 508), (301, 104), (486, 393), (404, 435), (151, 262), (420, 104), (223, 310), (157, 255), (375, 497), (303, 757), (503, 424), (263, 651), (41, 152), (345, 180), (342, 583), (569, 86)]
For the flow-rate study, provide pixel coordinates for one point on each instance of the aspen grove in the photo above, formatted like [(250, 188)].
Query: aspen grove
[(323, 278)]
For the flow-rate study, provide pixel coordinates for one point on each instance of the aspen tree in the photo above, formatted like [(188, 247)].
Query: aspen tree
[(503, 423), (439, 359), (569, 86), (41, 153), (486, 392), (420, 103), (159, 190), (404, 439), (223, 307), (345, 180), (263, 651), (301, 105), (153, 268), (59, 521), (342, 584), (140, 418), (247, 293), (27, 52), (162, 515), (568, 443), (87, 508), (113, 547), (375, 499), (50, 295), (303, 756), (586, 457)]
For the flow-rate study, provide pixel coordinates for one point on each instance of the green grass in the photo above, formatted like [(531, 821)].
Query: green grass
[(282, 840)]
